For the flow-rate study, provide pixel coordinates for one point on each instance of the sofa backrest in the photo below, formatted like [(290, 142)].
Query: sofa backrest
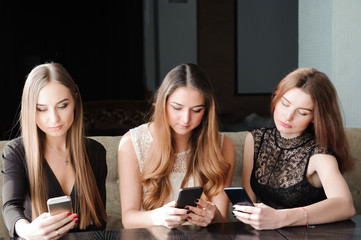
[(353, 178)]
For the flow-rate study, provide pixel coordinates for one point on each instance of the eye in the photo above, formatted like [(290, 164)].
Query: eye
[(284, 103), (176, 108), (197, 110), (302, 113), (63, 106), (41, 109)]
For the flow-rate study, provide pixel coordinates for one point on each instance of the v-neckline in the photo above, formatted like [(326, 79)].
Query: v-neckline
[(56, 179)]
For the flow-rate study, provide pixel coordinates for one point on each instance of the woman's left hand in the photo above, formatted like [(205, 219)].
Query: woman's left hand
[(260, 217), (204, 214)]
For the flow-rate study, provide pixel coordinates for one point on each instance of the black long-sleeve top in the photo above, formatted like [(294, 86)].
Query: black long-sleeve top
[(16, 186)]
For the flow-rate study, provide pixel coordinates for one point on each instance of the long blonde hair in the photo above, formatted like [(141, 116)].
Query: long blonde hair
[(327, 121), (89, 200), (206, 163)]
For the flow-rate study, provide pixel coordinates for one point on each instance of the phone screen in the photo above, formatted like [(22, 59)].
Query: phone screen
[(188, 196), (238, 196)]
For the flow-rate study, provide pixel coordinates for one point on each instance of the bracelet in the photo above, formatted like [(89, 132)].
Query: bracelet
[(306, 215)]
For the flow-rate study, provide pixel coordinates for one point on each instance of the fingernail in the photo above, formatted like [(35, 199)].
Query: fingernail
[(75, 216), (76, 220), (68, 214)]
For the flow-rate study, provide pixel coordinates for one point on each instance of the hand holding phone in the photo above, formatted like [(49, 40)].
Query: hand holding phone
[(59, 204), (188, 196), (238, 196)]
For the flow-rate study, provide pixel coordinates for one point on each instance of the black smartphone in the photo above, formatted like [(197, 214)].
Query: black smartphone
[(188, 196), (238, 196), (59, 204)]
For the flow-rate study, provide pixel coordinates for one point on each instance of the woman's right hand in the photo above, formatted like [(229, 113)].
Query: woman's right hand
[(46, 226), (170, 216)]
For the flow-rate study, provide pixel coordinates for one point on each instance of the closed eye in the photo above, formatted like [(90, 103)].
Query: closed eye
[(41, 109), (63, 106), (285, 103), (197, 110)]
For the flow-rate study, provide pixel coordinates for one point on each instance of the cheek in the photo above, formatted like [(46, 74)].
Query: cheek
[(303, 123), (198, 118)]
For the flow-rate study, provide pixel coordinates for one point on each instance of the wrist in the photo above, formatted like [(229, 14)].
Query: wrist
[(154, 214), (21, 226)]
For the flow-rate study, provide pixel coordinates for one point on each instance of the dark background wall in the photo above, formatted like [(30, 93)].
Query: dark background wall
[(101, 45)]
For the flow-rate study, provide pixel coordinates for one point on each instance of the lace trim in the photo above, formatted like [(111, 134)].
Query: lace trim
[(142, 140), (291, 143)]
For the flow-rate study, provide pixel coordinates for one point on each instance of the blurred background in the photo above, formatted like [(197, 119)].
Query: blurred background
[(118, 52)]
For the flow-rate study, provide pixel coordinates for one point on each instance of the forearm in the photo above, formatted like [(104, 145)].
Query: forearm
[(328, 210), (140, 219)]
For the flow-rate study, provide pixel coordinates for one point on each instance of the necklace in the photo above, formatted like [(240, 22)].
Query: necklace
[(66, 158)]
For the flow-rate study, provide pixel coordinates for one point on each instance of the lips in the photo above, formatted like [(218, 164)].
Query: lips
[(285, 125), (56, 128), (183, 126)]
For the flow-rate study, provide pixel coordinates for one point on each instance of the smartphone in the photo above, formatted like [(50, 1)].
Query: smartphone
[(238, 196), (188, 196), (59, 204)]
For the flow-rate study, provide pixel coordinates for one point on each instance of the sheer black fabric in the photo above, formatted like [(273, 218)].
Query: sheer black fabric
[(280, 165)]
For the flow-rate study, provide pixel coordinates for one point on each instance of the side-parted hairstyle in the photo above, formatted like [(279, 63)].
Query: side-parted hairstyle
[(327, 119), (206, 163), (88, 198)]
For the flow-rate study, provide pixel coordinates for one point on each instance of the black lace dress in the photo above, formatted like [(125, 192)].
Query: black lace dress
[(280, 165)]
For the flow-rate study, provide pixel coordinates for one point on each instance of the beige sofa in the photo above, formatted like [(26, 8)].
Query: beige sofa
[(113, 203)]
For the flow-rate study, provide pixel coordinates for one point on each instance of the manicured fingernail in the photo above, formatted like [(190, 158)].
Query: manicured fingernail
[(68, 214), (76, 220), (75, 216)]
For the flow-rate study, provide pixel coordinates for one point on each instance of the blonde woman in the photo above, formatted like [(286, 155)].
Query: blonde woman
[(52, 158), (180, 147)]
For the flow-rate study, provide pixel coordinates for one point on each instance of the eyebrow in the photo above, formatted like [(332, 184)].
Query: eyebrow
[(201, 105), (61, 101), (307, 109)]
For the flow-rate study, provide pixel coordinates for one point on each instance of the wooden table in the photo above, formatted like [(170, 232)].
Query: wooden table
[(350, 229)]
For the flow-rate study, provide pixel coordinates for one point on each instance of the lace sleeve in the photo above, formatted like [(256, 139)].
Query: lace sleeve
[(142, 140)]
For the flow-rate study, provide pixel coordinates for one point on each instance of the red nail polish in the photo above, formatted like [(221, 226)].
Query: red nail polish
[(75, 216), (76, 220), (68, 214)]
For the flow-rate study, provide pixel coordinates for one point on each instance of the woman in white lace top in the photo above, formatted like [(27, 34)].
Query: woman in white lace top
[(180, 147)]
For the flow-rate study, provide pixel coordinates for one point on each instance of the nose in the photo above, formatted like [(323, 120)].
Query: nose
[(54, 116), (186, 116), (289, 115)]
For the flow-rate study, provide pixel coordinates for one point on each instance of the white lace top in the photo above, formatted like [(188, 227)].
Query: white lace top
[(142, 139)]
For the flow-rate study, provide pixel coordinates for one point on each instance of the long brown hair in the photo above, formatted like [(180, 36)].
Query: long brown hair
[(206, 163), (89, 200), (327, 118)]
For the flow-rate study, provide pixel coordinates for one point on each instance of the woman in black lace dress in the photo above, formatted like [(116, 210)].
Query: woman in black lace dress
[(295, 170)]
